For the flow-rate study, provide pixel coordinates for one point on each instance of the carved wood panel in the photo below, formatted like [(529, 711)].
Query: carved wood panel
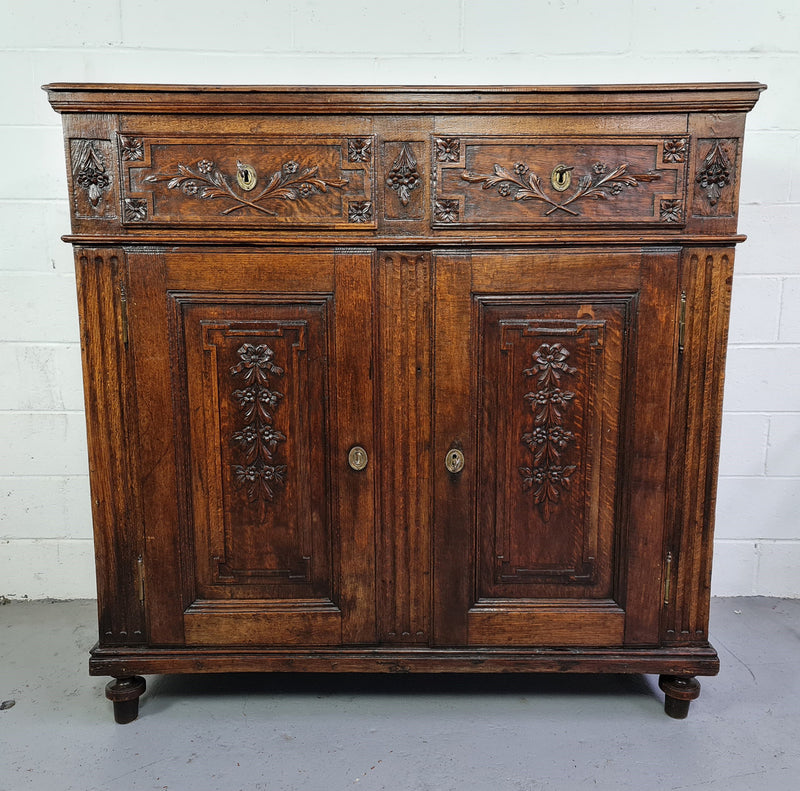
[(94, 189), (256, 385), (502, 180), (312, 181), (714, 182), (551, 385)]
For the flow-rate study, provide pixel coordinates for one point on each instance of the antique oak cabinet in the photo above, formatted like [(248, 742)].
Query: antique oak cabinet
[(403, 379)]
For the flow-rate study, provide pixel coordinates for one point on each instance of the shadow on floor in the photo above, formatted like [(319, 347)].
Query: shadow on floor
[(163, 691)]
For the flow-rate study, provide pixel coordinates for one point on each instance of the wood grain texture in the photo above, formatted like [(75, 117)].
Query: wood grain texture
[(404, 536), (271, 279), (700, 661), (711, 97), (111, 428), (707, 278)]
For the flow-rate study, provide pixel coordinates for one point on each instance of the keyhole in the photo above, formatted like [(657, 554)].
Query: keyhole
[(561, 177), (246, 176)]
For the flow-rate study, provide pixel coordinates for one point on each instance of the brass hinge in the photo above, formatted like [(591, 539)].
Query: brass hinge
[(667, 577), (140, 566), (682, 323), (123, 309)]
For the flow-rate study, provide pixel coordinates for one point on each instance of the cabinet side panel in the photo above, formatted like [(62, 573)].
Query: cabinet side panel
[(110, 411), (707, 277)]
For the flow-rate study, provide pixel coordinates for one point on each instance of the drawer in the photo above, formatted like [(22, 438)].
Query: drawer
[(540, 181), (310, 181)]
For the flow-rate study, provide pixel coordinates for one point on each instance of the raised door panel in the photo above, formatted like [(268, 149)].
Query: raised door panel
[(270, 528), (560, 404)]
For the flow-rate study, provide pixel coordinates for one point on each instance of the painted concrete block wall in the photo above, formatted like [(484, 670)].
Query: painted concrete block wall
[(45, 532)]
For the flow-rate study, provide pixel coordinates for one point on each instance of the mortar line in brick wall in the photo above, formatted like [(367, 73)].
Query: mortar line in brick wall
[(43, 539), (38, 343), (48, 475), (761, 477), (39, 539), (35, 200), (769, 345), (20, 412), (765, 413)]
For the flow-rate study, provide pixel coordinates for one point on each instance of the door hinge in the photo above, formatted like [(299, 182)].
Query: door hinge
[(123, 309), (140, 567), (682, 323), (667, 577)]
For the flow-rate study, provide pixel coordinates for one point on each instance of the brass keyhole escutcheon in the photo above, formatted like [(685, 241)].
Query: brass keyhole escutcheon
[(246, 176), (454, 460), (561, 177), (357, 458)]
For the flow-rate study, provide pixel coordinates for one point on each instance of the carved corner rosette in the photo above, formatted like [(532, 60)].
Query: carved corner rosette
[(448, 149), (520, 183), (548, 440), (671, 210), (89, 170), (674, 151), (715, 172), (205, 180), (359, 149), (446, 210), (404, 177), (258, 439), (359, 211), (131, 149)]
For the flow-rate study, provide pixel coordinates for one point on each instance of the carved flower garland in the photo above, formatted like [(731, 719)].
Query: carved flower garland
[(548, 439), (523, 184), (258, 439), (206, 181)]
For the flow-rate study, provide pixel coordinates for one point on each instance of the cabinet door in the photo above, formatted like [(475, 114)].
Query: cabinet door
[(553, 377), (253, 378)]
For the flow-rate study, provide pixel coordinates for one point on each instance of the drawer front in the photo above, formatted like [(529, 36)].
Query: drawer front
[(541, 181), (235, 181)]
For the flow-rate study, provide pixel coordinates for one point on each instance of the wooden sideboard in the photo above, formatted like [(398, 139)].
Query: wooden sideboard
[(403, 379)]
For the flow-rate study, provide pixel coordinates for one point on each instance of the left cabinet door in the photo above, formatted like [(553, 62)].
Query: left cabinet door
[(253, 376)]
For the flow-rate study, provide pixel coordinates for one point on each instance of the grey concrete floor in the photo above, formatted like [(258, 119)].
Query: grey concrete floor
[(409, 733)]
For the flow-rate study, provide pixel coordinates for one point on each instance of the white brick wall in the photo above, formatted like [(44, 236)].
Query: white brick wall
[(45, 534)]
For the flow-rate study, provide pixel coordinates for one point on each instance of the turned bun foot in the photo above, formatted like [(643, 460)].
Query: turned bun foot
[(124, 693), (680, 692)]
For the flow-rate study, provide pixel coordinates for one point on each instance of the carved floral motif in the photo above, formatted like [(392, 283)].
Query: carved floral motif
[(257, 441), (404, 177), (715, 173), (523, 184), (445, 210), (548, 439), (448, 149), (674, 150), (135, 209), (205, 180), (131, 148), (359, 211), (90, 171), (671, 210), (359, 150)]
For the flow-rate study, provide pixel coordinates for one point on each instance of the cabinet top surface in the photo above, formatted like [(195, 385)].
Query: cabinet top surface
[(698, 97)]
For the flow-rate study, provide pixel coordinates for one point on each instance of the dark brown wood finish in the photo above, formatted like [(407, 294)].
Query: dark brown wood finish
[(403, 379)]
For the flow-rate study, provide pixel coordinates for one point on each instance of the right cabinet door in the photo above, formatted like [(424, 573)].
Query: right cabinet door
[(554, 374)]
